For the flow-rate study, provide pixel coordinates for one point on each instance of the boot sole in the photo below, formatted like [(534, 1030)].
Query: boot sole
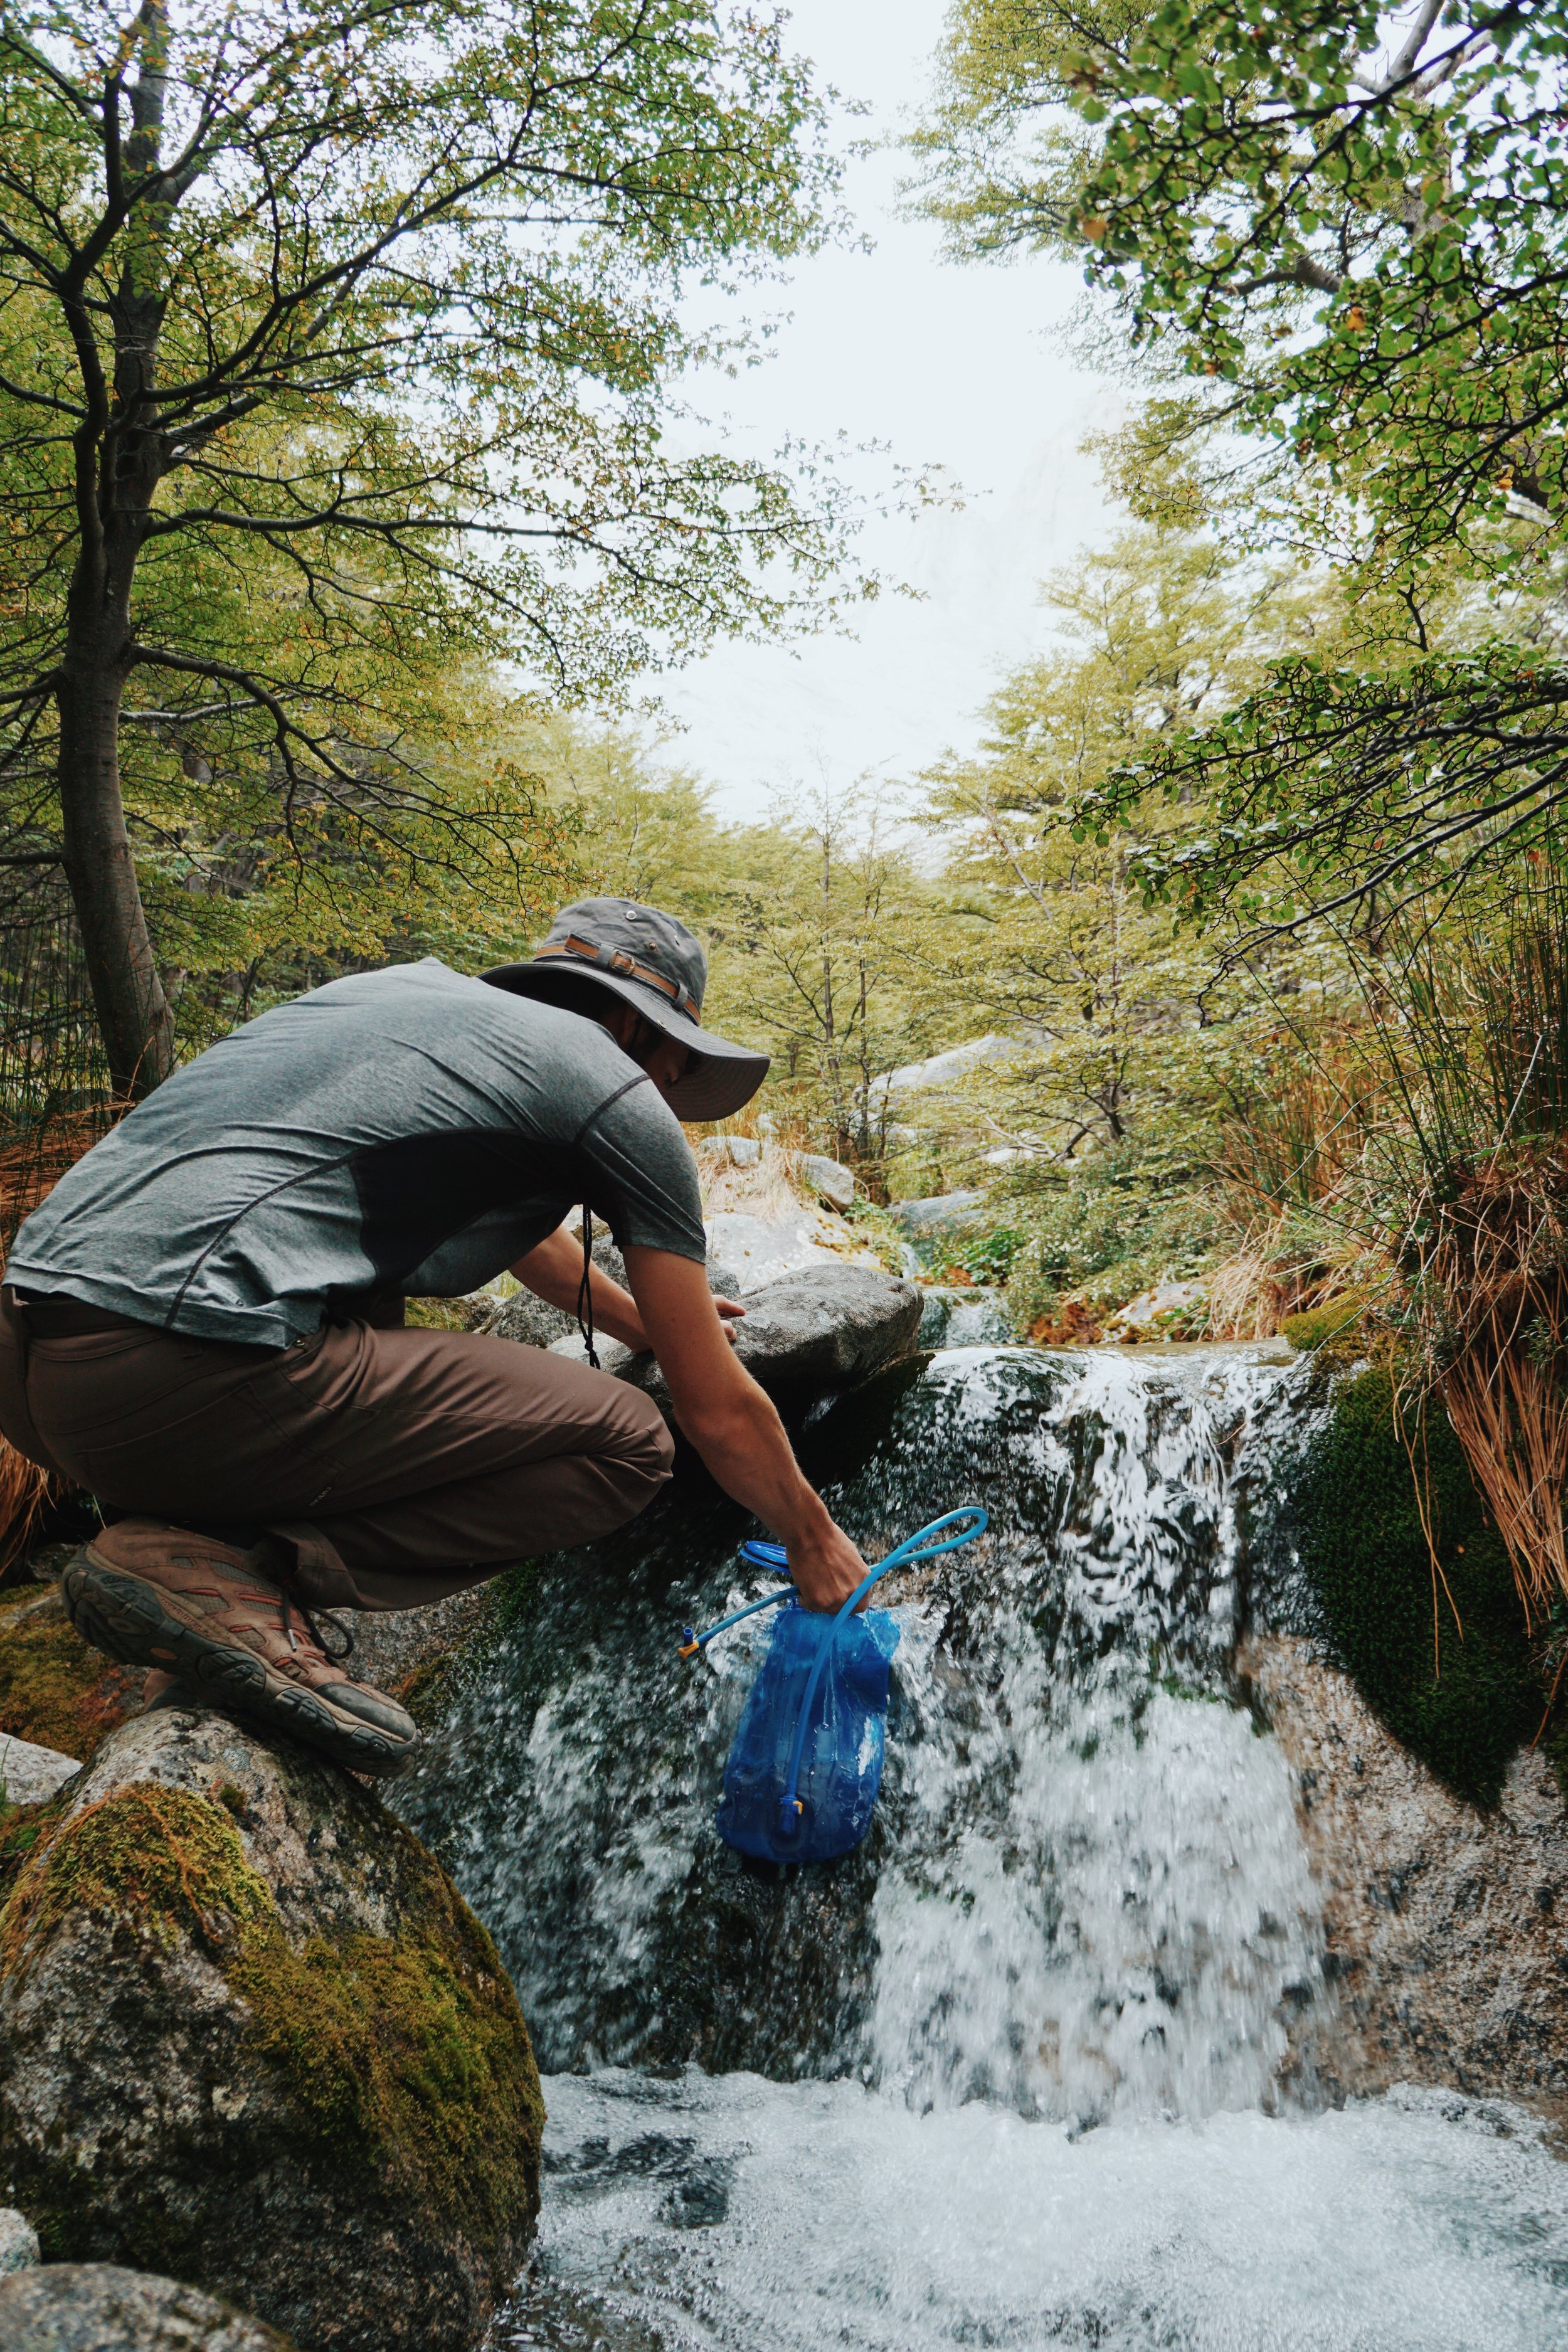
[(126, 1618)]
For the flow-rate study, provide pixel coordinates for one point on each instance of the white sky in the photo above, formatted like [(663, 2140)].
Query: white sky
[(952, 366)]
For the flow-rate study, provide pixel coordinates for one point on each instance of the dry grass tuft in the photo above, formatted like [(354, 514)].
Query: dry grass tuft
[(1491, 1253)]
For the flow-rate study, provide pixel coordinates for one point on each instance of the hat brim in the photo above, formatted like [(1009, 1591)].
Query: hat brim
[(721, 1075)]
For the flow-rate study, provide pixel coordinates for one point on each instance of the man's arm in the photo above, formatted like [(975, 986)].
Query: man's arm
[(733, 1425), (554, 1270)]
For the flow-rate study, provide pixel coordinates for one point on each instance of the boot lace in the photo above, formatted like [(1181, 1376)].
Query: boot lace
[(314, 1622)]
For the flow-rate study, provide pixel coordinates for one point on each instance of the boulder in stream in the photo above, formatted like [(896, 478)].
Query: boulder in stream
[(821, 1328), (251, 2036), (827, 1326), (98, 2308)]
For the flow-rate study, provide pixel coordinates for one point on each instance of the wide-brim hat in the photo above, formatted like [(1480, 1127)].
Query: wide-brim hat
[(652, 961)]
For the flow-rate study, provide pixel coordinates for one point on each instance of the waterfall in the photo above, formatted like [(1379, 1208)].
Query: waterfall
[(1034, 2065)]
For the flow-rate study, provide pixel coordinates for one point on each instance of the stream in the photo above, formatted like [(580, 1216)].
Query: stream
[(1035, 2067)]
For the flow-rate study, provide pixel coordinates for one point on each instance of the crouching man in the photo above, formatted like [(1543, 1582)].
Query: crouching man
[(202, 1325)]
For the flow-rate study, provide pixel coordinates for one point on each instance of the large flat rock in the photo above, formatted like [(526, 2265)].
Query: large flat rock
[(827, 1326), (820, 1328)]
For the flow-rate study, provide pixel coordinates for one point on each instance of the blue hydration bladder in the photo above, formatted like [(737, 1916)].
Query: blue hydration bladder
[(801, 1778)]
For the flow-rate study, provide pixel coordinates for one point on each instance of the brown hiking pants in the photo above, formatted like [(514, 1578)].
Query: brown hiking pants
[(400, 1466)]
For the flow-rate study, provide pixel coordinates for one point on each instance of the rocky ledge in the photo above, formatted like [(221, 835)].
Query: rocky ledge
[(1442, 1922), (251, 2036)]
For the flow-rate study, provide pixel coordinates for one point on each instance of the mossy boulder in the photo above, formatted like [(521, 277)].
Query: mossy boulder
[(54, 1690), (251, 2037), (1440, 1653)]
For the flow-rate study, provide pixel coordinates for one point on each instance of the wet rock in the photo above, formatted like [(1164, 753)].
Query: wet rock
[(402, 1650), (29, 1774), (1443, 1923), (98, 2308), (18, 2241), (249, 2034), (963, 1319)]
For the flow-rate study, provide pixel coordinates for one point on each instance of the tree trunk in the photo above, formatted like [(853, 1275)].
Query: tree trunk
[(120, 461), (132, 1012)]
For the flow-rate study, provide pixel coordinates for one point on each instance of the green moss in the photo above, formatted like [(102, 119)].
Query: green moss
[(405, 2056), (1317, 1326), (1366, 1557), (161, 1858), (53, 1689), (438, 1315), (408, 2053)]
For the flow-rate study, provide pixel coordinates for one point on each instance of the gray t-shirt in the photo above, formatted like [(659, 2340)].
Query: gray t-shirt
[(406, 1131)]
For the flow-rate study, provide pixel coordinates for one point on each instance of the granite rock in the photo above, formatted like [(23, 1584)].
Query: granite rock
[(822, 1326), (931, 1227), (828, 1179), (250, 2034), (729, 1152), (18, 2242), (29, 1774), (975, 1318), (536, 1324), (763, 1248), (1444, 1925), (98, 2308)]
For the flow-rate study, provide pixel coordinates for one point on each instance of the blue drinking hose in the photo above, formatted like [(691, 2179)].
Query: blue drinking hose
[(918, 1546)]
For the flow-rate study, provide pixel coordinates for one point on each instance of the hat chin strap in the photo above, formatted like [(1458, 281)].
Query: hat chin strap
[(616, 960)]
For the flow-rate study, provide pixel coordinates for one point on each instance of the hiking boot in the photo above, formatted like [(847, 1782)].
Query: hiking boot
[(148, 1594)]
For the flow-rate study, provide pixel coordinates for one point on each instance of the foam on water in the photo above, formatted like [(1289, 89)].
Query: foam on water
[(743, 2216)]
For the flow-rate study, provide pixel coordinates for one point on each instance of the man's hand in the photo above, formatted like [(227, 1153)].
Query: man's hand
[(733, 1425)]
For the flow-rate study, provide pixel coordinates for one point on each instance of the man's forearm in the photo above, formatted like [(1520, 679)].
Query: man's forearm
[(746, 1448), (734, 1426), (553, 1272)]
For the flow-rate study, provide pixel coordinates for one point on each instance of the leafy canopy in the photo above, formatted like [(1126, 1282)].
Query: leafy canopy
[(341, 350), (1344, 230)]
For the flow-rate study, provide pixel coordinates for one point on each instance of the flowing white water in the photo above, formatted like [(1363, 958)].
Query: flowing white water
[(756, 2217), (1055, 2018)]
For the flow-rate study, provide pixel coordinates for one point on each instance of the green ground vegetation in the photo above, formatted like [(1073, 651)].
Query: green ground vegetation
[(54, 1690)]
